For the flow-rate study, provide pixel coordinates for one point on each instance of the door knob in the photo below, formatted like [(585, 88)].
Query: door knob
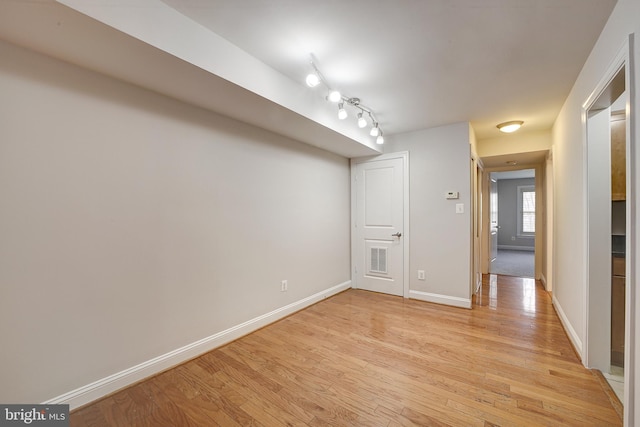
[(398, 234)]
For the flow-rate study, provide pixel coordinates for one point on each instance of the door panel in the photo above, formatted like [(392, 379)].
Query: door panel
[(379, 226), (493, 212)]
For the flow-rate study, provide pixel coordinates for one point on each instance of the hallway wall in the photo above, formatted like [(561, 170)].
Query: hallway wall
[(569, 177), (439, 162)]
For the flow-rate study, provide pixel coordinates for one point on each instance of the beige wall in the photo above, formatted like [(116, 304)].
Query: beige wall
[(569, 263), (439, 161), (133, 225)]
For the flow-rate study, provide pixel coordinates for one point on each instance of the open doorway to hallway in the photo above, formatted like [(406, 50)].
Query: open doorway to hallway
[(608, 297), (513, 223)]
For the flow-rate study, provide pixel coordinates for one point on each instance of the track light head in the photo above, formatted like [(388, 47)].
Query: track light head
[(335, 96), (375, 130), (342, 113), (313, 80), (362, 122), (380, 139)]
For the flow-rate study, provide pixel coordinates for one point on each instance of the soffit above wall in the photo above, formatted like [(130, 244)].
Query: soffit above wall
[(152, 62), (531, 158)]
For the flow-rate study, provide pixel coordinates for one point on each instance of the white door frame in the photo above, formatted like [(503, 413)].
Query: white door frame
[(404, 155), (624, 58)]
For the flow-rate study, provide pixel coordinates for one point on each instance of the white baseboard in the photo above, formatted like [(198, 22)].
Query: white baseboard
[(440, 299), (105, 386), (517, 248), (571, 333)]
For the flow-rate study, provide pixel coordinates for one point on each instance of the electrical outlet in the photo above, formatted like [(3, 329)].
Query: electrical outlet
[(284, 286), (420, 274)]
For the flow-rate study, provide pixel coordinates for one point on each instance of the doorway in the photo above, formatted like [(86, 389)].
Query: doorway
[(380, 223), (607, 216), (512, 223)]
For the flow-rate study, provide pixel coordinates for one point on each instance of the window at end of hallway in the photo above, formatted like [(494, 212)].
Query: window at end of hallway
[(526, 211)]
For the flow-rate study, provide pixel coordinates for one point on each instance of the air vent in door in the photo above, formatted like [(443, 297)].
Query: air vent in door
[(378, 260)]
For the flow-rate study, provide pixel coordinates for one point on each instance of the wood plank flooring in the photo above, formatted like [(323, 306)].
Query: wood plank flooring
[(367, 359)]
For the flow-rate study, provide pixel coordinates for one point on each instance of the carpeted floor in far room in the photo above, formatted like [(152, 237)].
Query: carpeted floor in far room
[(514, 263)]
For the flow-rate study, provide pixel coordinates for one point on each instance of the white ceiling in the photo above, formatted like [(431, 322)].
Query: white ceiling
[(416, 63), (423, 63)]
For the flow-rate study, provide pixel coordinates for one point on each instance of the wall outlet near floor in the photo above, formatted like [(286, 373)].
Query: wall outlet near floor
[(284, 286), (513, 238), (420, 274)]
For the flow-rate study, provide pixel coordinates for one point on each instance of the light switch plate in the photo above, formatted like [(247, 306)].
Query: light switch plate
[(459, 208)]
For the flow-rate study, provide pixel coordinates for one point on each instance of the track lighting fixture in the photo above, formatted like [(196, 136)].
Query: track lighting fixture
[(315, 78), (342, 113)]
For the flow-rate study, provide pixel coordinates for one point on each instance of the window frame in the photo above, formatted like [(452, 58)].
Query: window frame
[(525, 189)]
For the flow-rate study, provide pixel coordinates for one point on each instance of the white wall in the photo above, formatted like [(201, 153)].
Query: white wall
[(439, 161), (568, 163), (132, 225)]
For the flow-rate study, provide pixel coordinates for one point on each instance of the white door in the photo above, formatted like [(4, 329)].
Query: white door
[(493, 216), (379, 225)]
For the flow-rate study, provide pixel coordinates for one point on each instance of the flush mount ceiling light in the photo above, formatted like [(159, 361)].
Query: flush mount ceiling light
[(508, 127), (315, 78)]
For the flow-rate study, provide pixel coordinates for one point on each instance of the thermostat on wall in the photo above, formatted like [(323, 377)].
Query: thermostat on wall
[(453, 195)]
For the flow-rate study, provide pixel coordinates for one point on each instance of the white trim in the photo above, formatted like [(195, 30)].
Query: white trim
[(440, 299), (620, 60), (571, 333), (543, 280), (105, 386), (404, 155), (630, 402)]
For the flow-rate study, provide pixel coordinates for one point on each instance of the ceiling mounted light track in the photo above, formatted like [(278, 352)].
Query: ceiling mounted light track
[(315, 78)]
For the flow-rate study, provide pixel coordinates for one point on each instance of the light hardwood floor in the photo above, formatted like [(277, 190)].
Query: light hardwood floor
[(367, 359)]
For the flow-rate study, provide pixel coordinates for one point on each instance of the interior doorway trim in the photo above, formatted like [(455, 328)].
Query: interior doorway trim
[(541, 233), (622, 60), (404, 155)]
